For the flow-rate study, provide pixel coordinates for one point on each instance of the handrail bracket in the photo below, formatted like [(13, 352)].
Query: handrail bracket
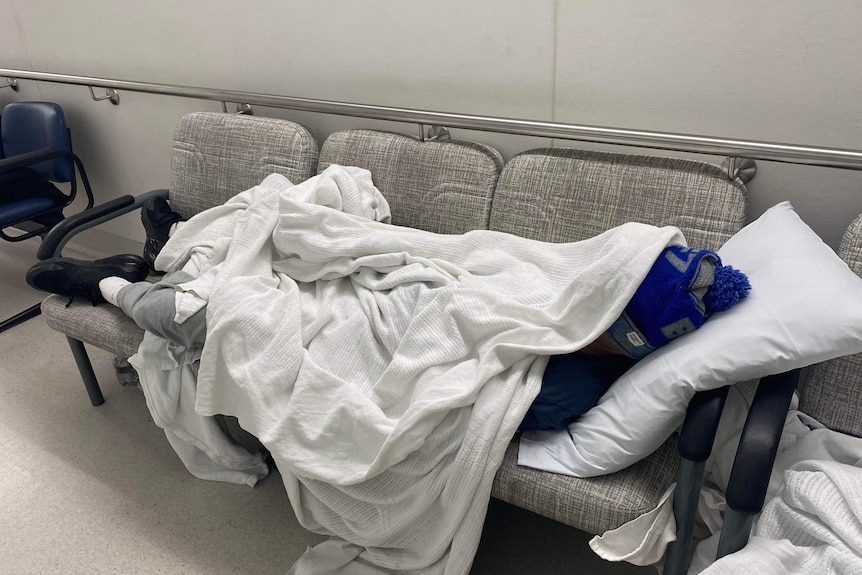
[(433, 134), (242, 109), (743, 169), (110, 94)]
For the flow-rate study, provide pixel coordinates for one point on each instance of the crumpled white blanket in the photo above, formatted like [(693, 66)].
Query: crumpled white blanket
[(168, 379), (387, 368), (644, 540), (810, 521), (168, 371)]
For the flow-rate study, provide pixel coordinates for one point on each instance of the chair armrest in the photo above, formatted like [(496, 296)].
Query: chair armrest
[(57, 238), (755, 456), (758, 444), (30, 158), (701, 424), (695, 444)]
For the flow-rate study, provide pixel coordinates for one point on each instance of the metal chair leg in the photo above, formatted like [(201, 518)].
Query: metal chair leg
[(21, 317), (86, 370), (685, 499), (734, 532)]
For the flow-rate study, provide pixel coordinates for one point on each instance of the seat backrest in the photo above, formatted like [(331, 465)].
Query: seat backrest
[(31, 126), (563, 195), (443, 187), (832, 392), (216, 156)]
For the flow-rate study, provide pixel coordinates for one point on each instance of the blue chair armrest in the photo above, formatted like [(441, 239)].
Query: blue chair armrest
[(57, 238), (695, 444), (758, 444), (30, 158), (755, 456), (701, 423)]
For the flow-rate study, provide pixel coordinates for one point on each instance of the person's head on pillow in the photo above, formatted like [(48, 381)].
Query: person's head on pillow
[(684, 287)]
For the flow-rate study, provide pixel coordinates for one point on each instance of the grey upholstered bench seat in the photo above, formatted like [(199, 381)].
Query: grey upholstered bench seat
[(553, 195), (566, 195), (591, 504), (103, 326), (213, 157)]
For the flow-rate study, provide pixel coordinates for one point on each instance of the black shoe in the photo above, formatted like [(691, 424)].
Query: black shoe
[(66, 276), (157, 217)]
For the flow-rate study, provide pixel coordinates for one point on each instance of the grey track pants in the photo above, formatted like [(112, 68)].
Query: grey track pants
[(153, 307)]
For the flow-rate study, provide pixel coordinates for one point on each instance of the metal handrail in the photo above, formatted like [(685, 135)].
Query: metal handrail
[(777, 152)]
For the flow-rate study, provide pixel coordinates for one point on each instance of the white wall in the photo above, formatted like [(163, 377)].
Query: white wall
[(774, 70)]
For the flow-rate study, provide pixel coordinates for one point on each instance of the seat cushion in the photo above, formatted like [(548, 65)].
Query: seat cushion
[(593, 504), (11, 212), (104, 326), (442, 187)]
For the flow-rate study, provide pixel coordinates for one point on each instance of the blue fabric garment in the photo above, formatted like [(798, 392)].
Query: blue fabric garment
[(572, 384)]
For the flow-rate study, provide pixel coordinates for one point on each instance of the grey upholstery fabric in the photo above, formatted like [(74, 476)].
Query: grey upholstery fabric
[(562, 195), (593, 504), (833, 389), (110, 329), (442, 187), (216, 156), (103, 326)]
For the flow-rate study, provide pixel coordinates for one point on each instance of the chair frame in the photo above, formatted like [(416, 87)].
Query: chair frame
[(28, 159)]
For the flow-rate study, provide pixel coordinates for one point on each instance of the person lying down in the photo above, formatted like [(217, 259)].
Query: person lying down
[(386, 369), (684, 287)]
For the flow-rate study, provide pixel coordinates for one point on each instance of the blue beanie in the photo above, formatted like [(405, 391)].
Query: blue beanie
[(683, 288)]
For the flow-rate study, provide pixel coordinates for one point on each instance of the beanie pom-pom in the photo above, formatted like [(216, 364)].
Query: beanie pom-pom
[(729, 287)]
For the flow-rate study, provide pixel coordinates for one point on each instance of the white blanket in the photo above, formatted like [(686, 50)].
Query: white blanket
[(810, 522), (387, 368), (168, 378)]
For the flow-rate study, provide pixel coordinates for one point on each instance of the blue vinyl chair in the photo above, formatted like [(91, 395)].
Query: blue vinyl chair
[(36, 155)]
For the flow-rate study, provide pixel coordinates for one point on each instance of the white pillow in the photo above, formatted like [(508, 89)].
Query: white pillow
[(805, 307)]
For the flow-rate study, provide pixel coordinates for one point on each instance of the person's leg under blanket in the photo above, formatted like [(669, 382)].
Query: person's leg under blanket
[(153, 307), (167, 364)]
